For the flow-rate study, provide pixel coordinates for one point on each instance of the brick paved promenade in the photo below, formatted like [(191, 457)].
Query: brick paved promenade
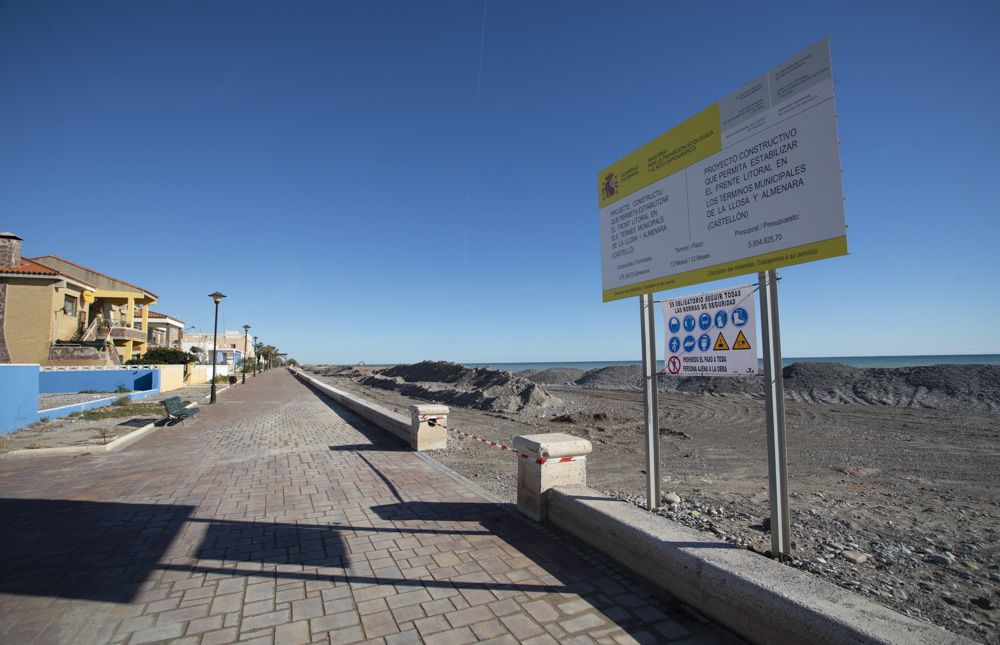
[(277, 517)]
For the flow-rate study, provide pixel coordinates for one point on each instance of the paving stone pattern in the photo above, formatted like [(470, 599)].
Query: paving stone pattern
[(276, 516)]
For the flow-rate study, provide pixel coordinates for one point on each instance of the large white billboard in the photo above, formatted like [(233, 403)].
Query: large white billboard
[(751, 183)]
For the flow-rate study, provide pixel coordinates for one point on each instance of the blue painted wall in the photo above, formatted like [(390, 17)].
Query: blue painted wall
[(18, 396), (98, 380)]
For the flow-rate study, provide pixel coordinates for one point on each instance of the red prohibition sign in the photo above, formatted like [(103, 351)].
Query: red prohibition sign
[(674, 365)]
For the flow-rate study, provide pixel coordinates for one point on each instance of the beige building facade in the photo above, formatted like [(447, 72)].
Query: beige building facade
[(56, 312)]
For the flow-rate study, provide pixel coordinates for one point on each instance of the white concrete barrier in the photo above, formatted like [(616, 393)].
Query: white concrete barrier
[(425, 428), (756, 597)]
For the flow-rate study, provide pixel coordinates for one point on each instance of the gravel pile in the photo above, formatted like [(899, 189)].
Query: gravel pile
[(341, 371), (481, 388), (554, 375), (955, 388), (614, 377)]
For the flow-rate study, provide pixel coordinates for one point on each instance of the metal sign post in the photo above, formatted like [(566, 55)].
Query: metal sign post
[(781, 540), (651, 412)]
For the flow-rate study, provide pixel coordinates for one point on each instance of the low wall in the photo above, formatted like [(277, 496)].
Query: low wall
[(18, 396), (137, 379), (171, 377), (762, 600), (397, 424), (199, 374)]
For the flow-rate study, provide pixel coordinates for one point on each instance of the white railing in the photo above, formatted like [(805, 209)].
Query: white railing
[(95, 368)]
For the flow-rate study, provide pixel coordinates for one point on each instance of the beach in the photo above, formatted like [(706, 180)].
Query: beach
[(893, 473)]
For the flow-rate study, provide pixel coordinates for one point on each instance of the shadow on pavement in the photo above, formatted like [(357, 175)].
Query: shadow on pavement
[(86, 550)]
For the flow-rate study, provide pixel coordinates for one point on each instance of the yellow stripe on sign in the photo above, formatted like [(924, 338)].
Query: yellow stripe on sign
[(676, 149), (789, 257)]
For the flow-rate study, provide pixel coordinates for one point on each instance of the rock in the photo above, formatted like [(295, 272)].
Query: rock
[(899, 593), (854, 556), (983, 603), (766, 523), (945, 560), (671, 498), (695, 514)]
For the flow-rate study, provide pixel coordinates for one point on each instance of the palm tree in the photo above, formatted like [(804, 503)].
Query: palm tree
[(266, 353)]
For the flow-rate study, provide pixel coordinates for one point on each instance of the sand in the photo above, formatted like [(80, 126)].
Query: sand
[(900, 466)]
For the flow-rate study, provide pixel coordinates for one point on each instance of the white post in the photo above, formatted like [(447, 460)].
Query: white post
[(781, 540), (545, 461), (651, 412)]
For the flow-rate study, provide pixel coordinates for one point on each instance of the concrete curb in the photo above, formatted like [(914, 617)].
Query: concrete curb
[(758, 598), (217, 392), (384, 418), (114, 446)]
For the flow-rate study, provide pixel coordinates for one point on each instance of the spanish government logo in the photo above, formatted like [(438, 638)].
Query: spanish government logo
[(610, 187)]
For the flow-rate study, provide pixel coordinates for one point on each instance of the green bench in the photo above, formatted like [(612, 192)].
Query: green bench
[(176, 411)]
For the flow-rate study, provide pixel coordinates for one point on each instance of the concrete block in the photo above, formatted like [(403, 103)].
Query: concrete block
[(428, 427), (545, 461)]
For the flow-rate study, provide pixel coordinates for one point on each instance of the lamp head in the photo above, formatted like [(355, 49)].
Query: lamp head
[(217, 297), (246, 328)]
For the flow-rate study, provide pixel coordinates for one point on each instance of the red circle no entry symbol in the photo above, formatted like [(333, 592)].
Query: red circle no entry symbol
[(674, 365)]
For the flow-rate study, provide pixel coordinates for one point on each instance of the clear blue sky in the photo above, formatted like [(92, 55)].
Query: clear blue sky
[(324, 166)]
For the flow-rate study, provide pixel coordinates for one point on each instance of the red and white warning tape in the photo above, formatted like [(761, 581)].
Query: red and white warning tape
[(480, 439), (501, 446), (557, 460)]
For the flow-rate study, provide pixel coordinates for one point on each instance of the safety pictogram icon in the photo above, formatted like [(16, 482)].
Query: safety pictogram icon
[(741, 341), (720, 343), (674, 365)]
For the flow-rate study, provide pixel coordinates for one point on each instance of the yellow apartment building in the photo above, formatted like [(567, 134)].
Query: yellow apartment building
[(53, 311)]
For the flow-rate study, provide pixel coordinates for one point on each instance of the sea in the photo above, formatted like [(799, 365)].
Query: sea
[(853, 361)]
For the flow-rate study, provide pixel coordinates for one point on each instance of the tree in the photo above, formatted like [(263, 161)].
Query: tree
[(267, 354)]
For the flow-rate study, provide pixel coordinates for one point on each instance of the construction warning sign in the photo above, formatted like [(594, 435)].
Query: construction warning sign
[(712, 334)]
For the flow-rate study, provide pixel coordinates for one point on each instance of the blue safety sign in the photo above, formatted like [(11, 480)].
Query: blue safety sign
[(712, 333), (740, 316)]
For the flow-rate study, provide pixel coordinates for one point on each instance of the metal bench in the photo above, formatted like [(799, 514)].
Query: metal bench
[(176, 410)]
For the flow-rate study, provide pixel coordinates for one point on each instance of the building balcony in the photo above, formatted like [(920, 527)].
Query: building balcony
[(126, 333)]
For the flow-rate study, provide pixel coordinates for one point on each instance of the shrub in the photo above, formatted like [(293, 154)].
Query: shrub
[(164, 356), (122, 401)]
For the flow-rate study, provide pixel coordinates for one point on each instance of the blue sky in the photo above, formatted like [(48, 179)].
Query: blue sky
[(326, 166)]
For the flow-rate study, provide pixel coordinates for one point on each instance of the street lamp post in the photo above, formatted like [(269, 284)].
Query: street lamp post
[(246, 329), (255, 357), (217, 297)]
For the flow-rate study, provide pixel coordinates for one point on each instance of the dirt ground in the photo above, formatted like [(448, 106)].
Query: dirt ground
[(901, 505), (86, 430)]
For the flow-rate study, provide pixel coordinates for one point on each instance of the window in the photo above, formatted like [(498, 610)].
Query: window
[(69, 305)]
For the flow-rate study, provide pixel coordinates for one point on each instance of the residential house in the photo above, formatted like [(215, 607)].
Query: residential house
[(113, 311), (54, 311), (39, 305), (229, 347), (164, 330)]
